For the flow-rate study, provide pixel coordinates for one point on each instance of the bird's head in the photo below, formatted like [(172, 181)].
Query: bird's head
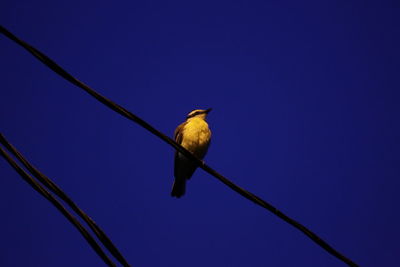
[(198, 113)]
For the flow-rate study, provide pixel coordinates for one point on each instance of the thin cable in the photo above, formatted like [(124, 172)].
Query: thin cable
[(56, 190), (46, 194), (122, 111)]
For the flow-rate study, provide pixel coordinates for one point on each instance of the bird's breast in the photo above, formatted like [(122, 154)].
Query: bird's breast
[(196, 137)]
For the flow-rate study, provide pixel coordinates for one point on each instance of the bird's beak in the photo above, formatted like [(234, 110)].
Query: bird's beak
[(208, 110)]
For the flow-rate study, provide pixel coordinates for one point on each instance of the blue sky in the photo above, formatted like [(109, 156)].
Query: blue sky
[(305, 115)]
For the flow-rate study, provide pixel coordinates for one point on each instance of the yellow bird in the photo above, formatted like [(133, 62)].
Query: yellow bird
[(195, 136)]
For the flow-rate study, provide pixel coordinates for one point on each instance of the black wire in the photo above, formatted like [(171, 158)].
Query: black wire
[(56, 190), (122, 111), (46, 194)]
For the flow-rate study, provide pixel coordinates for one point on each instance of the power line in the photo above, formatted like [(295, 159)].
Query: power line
[(47, 182), (46, 194), (122, 111)]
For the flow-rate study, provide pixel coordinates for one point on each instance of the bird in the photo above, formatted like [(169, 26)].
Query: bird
[(194, 135)]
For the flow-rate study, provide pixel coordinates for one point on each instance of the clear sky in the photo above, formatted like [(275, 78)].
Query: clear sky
[(305, 98)]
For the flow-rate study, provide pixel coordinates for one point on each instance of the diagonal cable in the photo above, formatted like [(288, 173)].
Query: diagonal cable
[(46, 194), (56, 190), (122, 111)]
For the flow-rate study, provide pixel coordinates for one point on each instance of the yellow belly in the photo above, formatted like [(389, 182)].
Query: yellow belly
[(196, 137)]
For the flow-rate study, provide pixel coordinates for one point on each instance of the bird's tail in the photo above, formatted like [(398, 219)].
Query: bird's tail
[(178, 188)]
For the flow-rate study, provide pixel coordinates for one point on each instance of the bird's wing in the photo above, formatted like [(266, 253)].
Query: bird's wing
[(178, 133), (178, 136), (183, 167)]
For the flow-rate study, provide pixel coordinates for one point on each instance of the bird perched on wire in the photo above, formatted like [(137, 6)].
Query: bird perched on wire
[(195, 136)]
